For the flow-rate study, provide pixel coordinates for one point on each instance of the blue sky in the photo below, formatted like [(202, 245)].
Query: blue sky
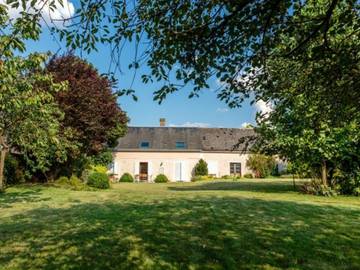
[(178, 109)]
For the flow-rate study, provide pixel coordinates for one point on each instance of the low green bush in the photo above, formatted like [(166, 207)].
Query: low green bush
[(201, 178), (161, 178), (126, 177), (315, 187), (99, 168), (248, 175), (99, 180), (73, 183)]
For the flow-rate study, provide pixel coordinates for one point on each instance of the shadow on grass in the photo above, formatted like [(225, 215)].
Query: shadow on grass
[(267, 186), (202, 233), (26, 196)]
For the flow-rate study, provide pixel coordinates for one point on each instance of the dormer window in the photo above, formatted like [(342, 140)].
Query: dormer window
[(144, 144), (180, 145)]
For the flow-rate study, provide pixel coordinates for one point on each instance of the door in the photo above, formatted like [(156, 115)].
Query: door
[(143, 171)]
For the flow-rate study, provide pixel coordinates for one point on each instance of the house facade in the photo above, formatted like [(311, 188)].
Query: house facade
[(146, 152)]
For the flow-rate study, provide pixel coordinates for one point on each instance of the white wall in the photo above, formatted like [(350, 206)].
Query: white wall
[(164, 162)]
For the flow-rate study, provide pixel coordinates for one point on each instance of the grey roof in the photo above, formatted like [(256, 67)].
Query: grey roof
[(196, 139)]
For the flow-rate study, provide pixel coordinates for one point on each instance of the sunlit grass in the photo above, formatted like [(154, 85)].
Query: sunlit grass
[(248, 224)]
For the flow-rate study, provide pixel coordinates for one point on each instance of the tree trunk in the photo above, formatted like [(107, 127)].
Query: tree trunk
[(2, 165), (324, 173)]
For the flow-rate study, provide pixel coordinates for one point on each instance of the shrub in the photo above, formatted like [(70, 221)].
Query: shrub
[(99, 168), (73, 183), (348, 183), (13, 172), (315, 187), (99, 180), (201, 178), (161, 178), (248, 175), (201, 168), (62, 180), (126, 177), (261, 165)]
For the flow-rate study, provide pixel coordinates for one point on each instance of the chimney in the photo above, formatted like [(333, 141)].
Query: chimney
[(162, 122)]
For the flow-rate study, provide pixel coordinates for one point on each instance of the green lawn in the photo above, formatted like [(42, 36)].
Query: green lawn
[(249, 224)]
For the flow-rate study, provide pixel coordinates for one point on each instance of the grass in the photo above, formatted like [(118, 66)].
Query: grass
[(248, 224)]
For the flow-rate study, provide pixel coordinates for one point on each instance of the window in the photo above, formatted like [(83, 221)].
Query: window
[(180, 145), (144, 145), (235, 168)]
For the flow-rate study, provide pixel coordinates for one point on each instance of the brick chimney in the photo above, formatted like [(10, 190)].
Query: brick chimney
[(162, 122)]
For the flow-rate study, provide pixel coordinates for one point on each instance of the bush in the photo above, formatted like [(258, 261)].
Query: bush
[(248, 175), (99, 168), (315, 187), (201, 168), (73, 183), (348, 183), (126, 177), (161, 178), (261, 165), (201, 178), (99, 180), (13, 172)]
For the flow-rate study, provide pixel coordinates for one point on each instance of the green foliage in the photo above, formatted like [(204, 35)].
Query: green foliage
[(347, 182), (14, 173), (99, 168), (30, 117), (201, 168), (317, 188), (73, 183), (126, 177), (103, 158), (248, 175), (99, 180), (261, 165), (161, 178), (202, 178)]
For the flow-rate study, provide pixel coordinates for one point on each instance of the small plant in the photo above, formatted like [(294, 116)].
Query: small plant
[(161, 178), (63, 180), (248, 175), (126, 177), (201, 178), (315, 187), (73, 183), (201, 168), (99, 180)]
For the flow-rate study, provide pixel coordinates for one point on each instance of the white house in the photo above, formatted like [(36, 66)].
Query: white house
[(174, 151)]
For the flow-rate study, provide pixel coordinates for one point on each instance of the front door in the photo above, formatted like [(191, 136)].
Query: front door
[(143, 168)]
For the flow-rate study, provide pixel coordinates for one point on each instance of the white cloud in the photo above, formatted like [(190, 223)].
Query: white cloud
[(50, 16), (263, 107), (222, 110), (245, 125), (192, 124)]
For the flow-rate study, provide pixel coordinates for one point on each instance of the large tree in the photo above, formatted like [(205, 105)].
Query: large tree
[(89, 104), (315, 118), (29, 115)]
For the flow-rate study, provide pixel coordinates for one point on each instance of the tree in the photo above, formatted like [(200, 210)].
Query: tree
[(261, 165), (315, 118), (29, 115), (201, 168), (89, 105)]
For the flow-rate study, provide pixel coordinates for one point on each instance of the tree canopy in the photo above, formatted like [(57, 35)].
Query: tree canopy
[(29, 115)]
